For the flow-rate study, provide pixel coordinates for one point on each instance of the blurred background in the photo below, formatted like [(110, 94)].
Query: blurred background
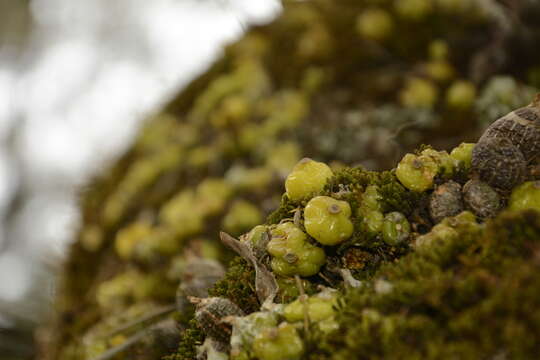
[(76, 80)]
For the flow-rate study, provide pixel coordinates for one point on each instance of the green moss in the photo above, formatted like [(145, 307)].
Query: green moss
[(191, 338), (352, 178), (513, 234), (430, 306), (235, 286), (394, 195), (284, 211), (238, 285)]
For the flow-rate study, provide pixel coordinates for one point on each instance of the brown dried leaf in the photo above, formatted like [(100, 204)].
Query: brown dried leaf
[(265, 283)]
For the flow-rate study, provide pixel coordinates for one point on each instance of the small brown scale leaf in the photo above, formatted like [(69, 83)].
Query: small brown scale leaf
[(499, 163), (481, 199), (211, 314), (507, 146), (445, 201), (521, 127)]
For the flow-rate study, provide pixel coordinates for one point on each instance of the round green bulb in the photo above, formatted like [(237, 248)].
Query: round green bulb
[(212, 195), (525, 196), (255, 235), (375, 24), (438, 49), (278, 343), (461, 219), (241, 216), (371, 198), (419, 93), (461, 95), (446, 163), (127, 239), (319, 307), (246, 328), (289, 290), (414, 9), (373, 221), (447, 230), (440, 70), (440, 232), (307, 178), (370, 210), (396, 228), (417, 173), (292, 253), (327, 220), (463, 154)]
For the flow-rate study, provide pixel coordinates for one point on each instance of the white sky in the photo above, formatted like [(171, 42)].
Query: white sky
[(94, 69)]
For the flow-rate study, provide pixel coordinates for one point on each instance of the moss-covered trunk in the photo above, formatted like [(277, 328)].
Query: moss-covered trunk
[(345, 82)]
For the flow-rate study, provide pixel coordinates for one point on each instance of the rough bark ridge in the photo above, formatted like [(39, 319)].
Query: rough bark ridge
[(345, 82)]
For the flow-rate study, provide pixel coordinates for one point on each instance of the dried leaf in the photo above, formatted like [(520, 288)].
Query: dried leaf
[(265, 283)]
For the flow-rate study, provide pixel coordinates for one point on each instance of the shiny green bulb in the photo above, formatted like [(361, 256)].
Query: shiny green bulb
[(327, 220), (307, 179), (525, 196)]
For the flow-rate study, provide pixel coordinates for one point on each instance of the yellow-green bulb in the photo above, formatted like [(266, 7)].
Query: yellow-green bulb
[(241, 216), (181, 214), (446, 163), (212, 195), (278, 343), (371, 198), (438, 49), (414, 9), (292, 254), (463, 153), (255, 235), (289, 289), (319, 307), (396, 228), (526, 196), (461, 95), (440, 70), (375, 24), (447, 231), (372, 219), (327, 220), (419, 93), (370, 210), (417, 173), (283, 158), (127, 239), (439, 233), (307, 179)]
